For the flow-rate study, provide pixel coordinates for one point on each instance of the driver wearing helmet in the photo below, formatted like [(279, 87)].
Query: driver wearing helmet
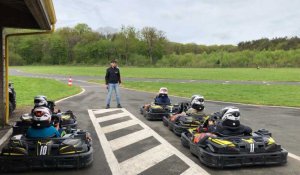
[(41, 126), (40, 100), (162, 97), (197, 105), (196, 110), (230, 123)]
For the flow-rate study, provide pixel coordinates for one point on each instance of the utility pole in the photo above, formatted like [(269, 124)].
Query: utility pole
[(2, 81)]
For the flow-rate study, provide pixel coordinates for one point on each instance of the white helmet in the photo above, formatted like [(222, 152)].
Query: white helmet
[(40, 100), (163, 90), (230, 113), (197, 102), (41, 114)]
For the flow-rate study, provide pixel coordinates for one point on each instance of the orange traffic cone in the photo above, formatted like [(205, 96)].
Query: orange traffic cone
[(70, 81)]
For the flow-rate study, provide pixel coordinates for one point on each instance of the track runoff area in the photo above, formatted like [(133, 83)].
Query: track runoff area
[(131, 147)]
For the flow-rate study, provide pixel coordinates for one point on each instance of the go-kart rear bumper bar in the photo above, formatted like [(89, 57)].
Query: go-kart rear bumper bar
[(22, 163)]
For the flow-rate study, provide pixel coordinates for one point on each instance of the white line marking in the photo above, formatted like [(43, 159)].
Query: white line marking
[(294, 156), (189, 172), (6, 136), (171, 148), (129, 139), (148, 159), (110, 117), (118, 126), (82, 91), (104, 111), (109, 155), (140, 165)]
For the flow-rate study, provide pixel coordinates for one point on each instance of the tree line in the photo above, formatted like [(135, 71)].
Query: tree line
[(147, 47)]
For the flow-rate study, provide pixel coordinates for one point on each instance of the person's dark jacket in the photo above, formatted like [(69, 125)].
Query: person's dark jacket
[(113, 75), (162, 99)]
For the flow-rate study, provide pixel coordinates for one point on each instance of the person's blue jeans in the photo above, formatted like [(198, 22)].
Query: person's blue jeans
[(111, 87)]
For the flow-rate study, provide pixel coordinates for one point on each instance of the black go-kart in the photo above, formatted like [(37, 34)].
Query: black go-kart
[(74, 150), (235, 151), (12, 98), (156, 111), (182, 107), (182, 124), (66, 120)]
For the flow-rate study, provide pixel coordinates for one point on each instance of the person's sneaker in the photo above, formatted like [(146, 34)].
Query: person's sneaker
[(107, 106), (119, 106)]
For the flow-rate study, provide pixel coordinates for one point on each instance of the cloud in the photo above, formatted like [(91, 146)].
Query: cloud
[(199, 21)]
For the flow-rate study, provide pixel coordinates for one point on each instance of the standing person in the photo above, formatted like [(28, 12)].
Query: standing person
[(113, 80)]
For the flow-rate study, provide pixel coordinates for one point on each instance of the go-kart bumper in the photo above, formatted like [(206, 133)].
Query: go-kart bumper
[(218, 160), (12, 163), (156, 116), (238, 160)]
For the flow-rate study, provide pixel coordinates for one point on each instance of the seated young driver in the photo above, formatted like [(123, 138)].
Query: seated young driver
[(41, 126), (162, 97), (196, 109)]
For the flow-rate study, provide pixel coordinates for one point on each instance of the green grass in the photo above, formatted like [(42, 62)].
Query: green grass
[(28, 88), (281, 95), (246, 74)]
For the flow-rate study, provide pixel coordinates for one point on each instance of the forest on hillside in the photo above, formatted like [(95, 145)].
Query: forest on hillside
[(147, 47)]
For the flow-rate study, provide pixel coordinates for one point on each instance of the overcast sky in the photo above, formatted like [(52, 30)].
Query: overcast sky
[(198, 21)]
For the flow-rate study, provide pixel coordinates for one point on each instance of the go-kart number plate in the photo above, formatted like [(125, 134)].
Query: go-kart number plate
[(42, 149)]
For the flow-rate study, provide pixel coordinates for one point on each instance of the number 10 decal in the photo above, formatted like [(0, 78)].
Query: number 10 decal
[(43, 150)]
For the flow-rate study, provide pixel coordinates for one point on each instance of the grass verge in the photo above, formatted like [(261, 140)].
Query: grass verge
[(245, 74), (27, 88), (279, 95)]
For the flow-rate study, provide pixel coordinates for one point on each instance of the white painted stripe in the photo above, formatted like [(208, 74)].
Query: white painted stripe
[(118, 126), (190, 171), (145, 160), (6, 136), (105, 110), (170, 147), (82, 91), (129, 139), (294, 156), (110, 117), (109, 155)]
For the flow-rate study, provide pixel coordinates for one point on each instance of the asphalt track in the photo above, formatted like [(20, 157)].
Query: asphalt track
[(282, 122)]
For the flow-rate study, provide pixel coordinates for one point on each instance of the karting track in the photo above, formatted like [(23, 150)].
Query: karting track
[(147, 147)]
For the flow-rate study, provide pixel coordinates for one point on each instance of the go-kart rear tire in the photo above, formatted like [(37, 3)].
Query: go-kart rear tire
[(165, 122), (184, 143)]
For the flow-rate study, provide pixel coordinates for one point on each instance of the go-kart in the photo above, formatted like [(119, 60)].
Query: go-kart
[(73, 150), (182, 107), (179, 124), (235, 151), (66, 119), (156, 111)]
